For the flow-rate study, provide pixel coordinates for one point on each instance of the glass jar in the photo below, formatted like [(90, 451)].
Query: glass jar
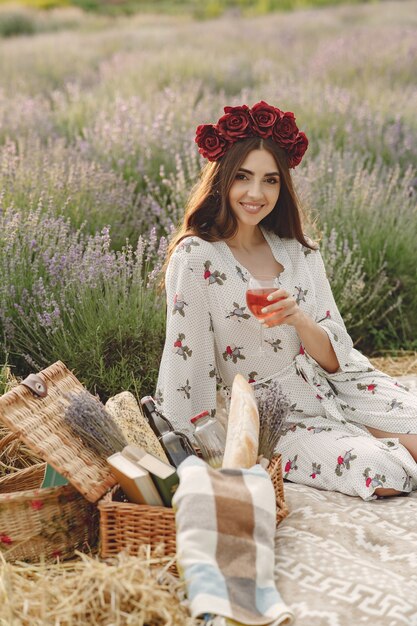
[(211, 437)]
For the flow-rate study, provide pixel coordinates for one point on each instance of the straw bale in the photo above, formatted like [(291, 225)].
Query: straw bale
[(123, 591)]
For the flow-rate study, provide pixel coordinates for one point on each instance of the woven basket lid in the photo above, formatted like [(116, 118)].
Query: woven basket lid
[(39, 422)]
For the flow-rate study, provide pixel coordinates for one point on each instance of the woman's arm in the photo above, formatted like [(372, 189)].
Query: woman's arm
[(313, 337), (324, 338), (186, 385)]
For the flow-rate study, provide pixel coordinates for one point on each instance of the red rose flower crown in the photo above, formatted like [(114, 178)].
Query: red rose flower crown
[(262, 120)]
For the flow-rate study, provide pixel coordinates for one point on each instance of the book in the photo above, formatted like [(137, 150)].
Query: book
[(134, 480), (52, 478), (164, 475)]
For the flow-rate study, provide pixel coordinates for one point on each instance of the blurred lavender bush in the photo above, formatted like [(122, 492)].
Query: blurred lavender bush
[(104, 135), (67, 295)]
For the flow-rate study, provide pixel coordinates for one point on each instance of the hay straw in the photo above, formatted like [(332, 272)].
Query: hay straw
[(124, 591), (402, 364), (14, 454)]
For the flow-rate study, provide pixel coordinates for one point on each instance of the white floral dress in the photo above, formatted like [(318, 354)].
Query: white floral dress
[(211, 336)]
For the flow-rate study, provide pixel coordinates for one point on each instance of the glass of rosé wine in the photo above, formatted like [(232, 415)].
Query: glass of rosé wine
[(258, 289)]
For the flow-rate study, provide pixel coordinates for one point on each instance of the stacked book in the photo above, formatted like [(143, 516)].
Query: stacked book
[(143, 477)]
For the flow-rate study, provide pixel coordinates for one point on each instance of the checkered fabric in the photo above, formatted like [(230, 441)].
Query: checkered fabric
[(225, 543)]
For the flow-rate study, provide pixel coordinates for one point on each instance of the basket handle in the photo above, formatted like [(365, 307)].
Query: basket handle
[(36, 384)]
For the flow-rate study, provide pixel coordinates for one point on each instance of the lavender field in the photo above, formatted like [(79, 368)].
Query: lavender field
[(97, 156)]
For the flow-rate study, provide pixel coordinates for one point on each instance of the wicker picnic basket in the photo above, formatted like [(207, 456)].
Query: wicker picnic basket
[(39, 422), (127, 526), (43, 523)]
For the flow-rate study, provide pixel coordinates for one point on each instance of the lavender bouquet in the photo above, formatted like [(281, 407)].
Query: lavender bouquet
[(273, 407), (93, 424)]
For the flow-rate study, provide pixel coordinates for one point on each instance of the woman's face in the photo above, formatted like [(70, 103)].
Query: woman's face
[(256, 187)]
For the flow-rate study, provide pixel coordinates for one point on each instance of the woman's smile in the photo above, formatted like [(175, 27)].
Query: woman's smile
[(255, 190), (251, 207)]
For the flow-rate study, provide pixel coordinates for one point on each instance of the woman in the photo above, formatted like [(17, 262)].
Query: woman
[(351, 427)]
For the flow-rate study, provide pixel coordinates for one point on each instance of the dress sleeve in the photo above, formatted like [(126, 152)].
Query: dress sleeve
[(328, 315), (186, 382)]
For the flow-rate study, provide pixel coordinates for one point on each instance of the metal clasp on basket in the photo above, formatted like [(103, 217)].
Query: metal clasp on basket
[(36, 384)]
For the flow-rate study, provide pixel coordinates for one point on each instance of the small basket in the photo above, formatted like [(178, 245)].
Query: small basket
[(43, 523), (127, 526)]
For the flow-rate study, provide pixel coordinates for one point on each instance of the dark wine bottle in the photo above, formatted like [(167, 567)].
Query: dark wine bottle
[(175, 444)]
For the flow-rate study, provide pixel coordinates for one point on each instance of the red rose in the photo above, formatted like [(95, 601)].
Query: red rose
[(229, 350), (297, 150), (368, 481), (328, 314), (36, 505), (211, 145), (301, 349), (313, 475), (371, 387), (236, 123), (207, 274), (178, 344), (264, 117), (340, 460), (251, 380), (287, 466), (285, 130), (6, 539)]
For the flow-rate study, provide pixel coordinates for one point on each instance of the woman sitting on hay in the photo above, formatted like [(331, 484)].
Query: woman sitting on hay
[(351, 427)]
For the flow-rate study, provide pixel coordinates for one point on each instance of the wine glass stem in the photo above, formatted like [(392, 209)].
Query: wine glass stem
[(261, 337)]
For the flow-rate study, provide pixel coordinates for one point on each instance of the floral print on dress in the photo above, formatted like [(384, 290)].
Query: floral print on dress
[(326, 317), (290, 465), (372, 387), (397, 384), (179, 304), (300, 294), (293, 409), (213, 277), (185, 389), (213, 373), (316, 470), (241, 274), (291, 427), (238, 312), (315, 430), (232, 353), (407, 483), (186, 244), (375, 481), (159, 396), (211, 327), (252, 379), (274, 343), (343, 462), (395, 404), (180, 348)]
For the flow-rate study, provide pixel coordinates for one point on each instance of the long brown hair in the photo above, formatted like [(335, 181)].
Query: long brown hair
[(208, 214)]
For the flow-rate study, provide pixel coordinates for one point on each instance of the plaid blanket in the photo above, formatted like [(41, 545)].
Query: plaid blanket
[(225, 543)]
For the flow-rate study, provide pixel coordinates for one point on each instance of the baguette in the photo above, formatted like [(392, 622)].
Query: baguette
[(242, 438)]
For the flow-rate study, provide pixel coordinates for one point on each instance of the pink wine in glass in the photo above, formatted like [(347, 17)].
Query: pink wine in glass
[(256, 299), (258, 289)]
